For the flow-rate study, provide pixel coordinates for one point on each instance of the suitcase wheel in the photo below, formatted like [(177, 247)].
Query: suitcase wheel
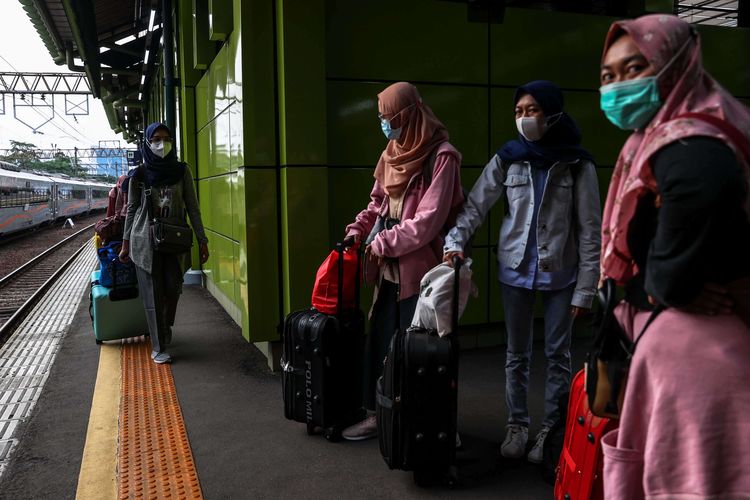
[(452, 480), (333, 434), (98, 342)]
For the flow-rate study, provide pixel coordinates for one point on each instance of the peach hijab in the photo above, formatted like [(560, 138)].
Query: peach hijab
[(685, 87), (421, 133)]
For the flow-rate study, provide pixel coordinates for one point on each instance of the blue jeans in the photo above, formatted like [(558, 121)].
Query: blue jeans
[(518, 304)]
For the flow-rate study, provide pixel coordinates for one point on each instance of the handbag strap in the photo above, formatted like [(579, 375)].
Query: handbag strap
[(145, 193), (657, 310)]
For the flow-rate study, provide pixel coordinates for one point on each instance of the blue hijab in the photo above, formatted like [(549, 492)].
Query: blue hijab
[(561, 141), (160, 171)]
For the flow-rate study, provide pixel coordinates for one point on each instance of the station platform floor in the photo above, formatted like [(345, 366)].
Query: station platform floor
[(236, 443)]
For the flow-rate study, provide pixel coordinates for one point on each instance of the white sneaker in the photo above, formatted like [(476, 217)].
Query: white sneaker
[(366, 429), (516, 438), (161, 357), (536, 454)]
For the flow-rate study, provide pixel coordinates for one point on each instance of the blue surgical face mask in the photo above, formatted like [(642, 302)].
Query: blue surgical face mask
[(392, 134), (630, 105)]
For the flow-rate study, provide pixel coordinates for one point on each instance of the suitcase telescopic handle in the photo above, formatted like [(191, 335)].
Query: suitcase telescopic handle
[(457, 263)]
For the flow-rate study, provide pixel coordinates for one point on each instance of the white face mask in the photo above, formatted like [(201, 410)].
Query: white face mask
[(160, 148), (532, 128)]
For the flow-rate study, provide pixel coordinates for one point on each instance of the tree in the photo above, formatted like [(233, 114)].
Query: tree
[(22, 154)]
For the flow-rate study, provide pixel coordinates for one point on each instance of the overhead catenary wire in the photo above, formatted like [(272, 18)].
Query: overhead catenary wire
[(80, 136)]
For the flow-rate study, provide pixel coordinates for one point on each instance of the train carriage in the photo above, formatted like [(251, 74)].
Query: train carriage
[(71, 197), (25, 200), (30, 199), (99, 196)]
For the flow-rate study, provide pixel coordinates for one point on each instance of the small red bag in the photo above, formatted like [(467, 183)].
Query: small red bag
[(579, 473), (341, 265)]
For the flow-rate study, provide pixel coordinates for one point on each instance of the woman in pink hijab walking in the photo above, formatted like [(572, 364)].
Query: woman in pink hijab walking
[(676, 234), (417, 188)]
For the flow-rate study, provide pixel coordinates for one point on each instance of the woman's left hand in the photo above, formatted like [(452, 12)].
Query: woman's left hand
[(203, 252), (370, 254), (576, 311)]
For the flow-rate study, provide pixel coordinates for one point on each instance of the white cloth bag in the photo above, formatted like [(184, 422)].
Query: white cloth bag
[(435, 304)]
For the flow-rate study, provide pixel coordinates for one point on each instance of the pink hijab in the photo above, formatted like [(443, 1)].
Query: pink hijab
[(685, 88), (421, 133)]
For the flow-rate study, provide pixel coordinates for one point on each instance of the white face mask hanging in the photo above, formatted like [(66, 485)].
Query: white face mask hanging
[(160, 148)]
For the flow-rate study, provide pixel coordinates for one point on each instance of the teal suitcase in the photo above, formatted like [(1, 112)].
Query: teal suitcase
[(116, 313)]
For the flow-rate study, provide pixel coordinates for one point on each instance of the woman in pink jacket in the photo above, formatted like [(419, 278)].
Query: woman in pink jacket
[(417, 188), (676, 233)]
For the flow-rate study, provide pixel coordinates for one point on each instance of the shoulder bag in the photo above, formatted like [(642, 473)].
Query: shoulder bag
[(171, 236)]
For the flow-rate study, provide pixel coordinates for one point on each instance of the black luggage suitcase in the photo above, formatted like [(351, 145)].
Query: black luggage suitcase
[(417, 402), (321, 362)]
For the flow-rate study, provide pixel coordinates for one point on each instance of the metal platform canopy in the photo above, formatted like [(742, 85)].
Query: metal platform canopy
[(110, 41), (712, 12)]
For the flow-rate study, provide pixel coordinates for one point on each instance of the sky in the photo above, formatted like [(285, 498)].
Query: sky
[(22, 50)]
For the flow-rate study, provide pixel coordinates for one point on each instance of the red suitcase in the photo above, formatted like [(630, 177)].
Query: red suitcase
[(579, 472)]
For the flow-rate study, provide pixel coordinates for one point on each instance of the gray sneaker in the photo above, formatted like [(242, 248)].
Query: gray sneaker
[(516, 438), (366, 429), (161, 357), (537, 452)]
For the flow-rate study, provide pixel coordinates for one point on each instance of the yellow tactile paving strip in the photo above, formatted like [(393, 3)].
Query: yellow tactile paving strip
[(155, 460)]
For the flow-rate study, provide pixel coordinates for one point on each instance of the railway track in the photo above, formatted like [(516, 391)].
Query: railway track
[(21, 289)]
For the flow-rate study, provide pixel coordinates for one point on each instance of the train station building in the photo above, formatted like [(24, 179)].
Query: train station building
[(274, 108)]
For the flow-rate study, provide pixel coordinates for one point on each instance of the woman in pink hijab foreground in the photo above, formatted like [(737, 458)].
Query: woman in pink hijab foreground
[(676, 233), (409, 212)]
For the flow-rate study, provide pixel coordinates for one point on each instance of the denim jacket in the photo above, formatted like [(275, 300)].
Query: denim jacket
[(568, 226)]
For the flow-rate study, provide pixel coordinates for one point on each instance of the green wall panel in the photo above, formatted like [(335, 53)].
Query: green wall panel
[(204, 151), (219, 190), (237, 205), (236, 143), (257, 77), (202, 114), (418, 40), (259, 255), (220, 149), (234, 66), (465, 113), (220, 19), (302, 88), (732, 72), (354, 135), (220, 265), (189, 76), (217, 82), (204, 201), (349, 190), (305, 223), (533, 44)]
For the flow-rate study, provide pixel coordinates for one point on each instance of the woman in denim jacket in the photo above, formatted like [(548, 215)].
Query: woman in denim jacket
[(415, 211), (549, 242)]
